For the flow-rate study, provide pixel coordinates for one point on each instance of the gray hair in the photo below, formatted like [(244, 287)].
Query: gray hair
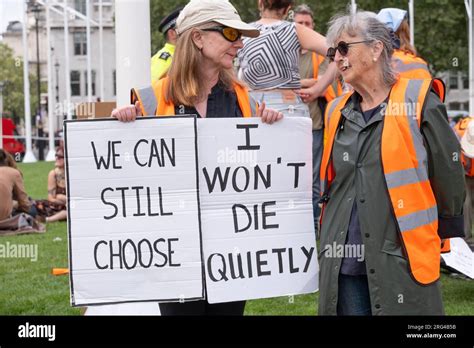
[(304, 9), (366, 25)]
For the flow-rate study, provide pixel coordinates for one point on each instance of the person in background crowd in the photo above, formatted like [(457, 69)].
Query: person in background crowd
[(11, 162), (12, 189), (54, 208), (392, 189), (202, 81), (16, 208), (269, 64), (161, 61), (464, 130), (311, 65), (317, 65), (405, 59)]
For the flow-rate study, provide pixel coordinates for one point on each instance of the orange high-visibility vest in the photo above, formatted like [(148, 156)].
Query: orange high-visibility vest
[(331, 93), (459, 130), (317, 60), (404, 162), (468, 164), (410, 66), (153, 101), (445, 246), (461, 126)]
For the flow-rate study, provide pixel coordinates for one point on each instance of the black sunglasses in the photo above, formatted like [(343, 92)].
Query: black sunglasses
[(343, 48), (230, 34), (59, 156)]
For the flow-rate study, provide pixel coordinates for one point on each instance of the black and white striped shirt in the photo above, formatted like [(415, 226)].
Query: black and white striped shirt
[(271, 60)]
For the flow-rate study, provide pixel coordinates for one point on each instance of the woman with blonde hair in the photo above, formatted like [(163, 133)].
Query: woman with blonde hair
[(201, 81)]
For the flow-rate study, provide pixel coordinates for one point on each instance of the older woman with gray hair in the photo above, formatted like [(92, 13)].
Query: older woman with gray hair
[(391, 181)]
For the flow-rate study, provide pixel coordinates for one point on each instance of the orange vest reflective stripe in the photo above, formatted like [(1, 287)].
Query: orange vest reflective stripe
[(410, 66), (404, 161), (330, 94), (153, 101)]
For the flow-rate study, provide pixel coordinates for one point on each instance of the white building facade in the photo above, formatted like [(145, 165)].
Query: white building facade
[(77, 52), (457, 83)]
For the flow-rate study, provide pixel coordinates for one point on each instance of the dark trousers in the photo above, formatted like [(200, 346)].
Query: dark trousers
[(353, 295), (202, 308)]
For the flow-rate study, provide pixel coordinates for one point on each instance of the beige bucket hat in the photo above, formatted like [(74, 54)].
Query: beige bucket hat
[(198, 12)]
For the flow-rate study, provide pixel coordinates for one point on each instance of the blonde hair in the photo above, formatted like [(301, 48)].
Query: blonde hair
[(403, 33), (185, 84)]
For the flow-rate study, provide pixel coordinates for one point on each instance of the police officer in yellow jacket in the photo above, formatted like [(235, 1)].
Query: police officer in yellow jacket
[(161, 61)]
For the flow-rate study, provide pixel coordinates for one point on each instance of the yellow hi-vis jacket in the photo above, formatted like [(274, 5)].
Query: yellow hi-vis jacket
[(161, 62)]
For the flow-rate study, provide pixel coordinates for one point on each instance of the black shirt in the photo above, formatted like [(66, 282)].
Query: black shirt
[(353, 265), (221, 102)]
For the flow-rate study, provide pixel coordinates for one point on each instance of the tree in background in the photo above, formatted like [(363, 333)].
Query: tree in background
[(441, 32), (158, 10), (11, 72)]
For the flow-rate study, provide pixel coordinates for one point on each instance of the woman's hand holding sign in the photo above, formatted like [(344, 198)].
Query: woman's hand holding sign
[(130, 112), (127, 113), (268, 115)]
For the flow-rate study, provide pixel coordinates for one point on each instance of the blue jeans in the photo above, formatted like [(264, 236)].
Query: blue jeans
[(277, 100), (353, 295), (317, 154)]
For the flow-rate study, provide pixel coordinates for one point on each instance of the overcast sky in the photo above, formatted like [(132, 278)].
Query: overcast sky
[(10, 10)]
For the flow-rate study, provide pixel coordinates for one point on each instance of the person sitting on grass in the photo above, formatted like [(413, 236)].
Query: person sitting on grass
[(54, 208), (12, 189)]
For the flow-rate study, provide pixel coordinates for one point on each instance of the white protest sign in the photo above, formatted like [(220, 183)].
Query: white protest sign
[(461, 257), (255, 183), (133, 211)]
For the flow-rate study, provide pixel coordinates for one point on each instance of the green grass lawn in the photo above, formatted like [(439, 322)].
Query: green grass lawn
[(28, 288)]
